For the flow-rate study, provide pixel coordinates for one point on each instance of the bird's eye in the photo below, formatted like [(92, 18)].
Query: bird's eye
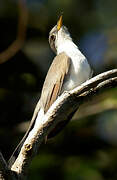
[(53, 38)]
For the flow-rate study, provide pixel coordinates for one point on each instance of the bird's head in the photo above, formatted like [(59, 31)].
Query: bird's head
[(58, 35)]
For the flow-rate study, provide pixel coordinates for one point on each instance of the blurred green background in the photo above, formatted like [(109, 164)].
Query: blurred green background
[(87, 148)]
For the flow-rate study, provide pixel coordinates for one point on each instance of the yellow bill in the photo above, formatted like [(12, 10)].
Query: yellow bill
[(59, 23)]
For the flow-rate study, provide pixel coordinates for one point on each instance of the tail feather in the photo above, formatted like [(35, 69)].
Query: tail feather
[(19, 146)]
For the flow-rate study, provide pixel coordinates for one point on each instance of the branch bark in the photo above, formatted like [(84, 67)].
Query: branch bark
[(61, 109)]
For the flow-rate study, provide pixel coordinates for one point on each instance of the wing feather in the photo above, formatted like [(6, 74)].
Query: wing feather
[(54, 80)]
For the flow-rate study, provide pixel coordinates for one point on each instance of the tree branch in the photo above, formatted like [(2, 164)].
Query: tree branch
[(5, 173), (3, 164), (21, 33), (63, 108)]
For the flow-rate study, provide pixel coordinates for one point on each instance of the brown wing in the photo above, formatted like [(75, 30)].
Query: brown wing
[(54, 80)]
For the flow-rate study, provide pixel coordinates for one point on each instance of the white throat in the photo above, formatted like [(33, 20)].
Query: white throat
[(64, 45), (68, 47)]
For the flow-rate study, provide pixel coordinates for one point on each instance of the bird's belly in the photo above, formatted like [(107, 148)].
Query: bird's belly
[(78, 74), (71, 83)]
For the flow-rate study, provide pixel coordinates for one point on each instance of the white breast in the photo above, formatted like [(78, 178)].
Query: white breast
[(80, 70)]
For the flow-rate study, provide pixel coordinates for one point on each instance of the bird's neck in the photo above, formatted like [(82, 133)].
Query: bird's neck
[(69, 48)]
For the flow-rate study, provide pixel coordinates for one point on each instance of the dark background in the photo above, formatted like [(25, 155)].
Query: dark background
[(87, 148)]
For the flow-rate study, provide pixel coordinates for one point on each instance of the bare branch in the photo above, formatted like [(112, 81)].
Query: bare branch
[(62, 109), (3, 164), (21, 32), (5, 173), (3, 167)]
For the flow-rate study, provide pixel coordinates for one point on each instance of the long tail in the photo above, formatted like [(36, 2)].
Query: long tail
[(53, 133), (18, 148)]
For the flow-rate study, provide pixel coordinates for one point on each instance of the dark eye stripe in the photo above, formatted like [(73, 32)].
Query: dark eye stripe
[(53, 38)]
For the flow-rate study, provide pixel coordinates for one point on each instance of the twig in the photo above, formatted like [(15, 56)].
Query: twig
[(3, 164), (61, 109), (5, 172)]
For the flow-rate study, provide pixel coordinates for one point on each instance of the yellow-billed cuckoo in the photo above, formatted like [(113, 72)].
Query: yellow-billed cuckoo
[(69, 69)]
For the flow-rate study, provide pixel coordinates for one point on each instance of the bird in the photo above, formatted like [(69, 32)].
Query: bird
[(69, 69)]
